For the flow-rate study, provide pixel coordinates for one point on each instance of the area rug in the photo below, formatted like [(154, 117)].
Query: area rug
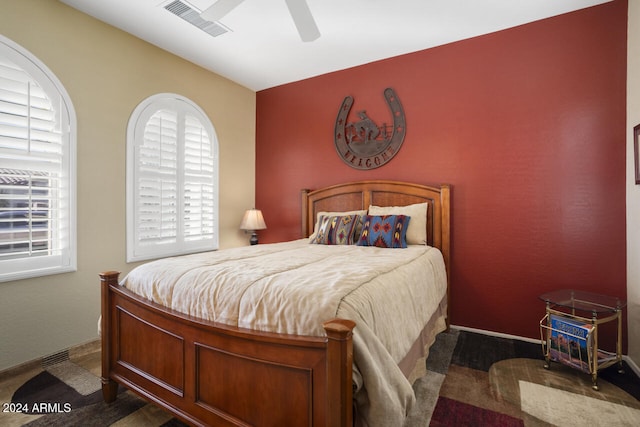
[(472, 380), (493, 381)]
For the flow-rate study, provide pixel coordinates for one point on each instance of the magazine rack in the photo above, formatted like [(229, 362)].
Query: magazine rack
[(570, 337)]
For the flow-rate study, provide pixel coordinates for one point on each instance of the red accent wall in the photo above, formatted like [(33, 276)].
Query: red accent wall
[(526, 124)]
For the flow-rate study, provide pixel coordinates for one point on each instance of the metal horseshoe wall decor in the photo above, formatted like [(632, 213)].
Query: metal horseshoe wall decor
[(365, 145)]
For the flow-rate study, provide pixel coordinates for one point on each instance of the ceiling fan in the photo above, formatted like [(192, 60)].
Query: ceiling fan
[(299, 10)]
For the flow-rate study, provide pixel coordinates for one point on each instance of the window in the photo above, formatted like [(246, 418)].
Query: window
[(172, 179), (37, 168)]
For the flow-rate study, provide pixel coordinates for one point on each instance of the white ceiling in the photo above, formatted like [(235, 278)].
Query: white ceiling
[(263, 49)]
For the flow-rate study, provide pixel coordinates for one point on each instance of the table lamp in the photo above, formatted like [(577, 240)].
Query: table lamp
[(251, 222)]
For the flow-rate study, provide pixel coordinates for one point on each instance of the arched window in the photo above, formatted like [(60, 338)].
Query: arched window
[(37, 168), (172, 179)]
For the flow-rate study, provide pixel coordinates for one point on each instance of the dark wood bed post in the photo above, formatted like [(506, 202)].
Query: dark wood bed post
[(445, 227), (304, 230), (340, 359), (109, 386)]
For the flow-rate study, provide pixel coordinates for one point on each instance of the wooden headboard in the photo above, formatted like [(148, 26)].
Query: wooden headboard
[(359, 195)]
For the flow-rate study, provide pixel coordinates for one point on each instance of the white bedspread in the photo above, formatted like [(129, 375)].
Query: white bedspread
[(294, 287)]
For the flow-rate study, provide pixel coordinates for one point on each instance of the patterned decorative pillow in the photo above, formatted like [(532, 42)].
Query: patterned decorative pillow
[(316, 226), (385, 231), (338, 230), (417, 230)]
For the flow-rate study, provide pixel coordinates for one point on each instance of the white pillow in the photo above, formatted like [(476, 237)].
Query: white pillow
[(417, 231), (319, 214)]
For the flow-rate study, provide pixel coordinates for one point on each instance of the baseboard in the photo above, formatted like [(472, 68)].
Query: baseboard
[(42, 362), (496, 334), (632, 364), (626, 358)]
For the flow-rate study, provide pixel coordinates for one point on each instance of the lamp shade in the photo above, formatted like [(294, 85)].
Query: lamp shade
[(253, 220)]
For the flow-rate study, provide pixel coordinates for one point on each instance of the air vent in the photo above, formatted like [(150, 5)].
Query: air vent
[(192, 16), (54, 359)]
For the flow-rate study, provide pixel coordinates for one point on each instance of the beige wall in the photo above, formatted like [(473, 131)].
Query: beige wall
[(633, 190), (107, 73)]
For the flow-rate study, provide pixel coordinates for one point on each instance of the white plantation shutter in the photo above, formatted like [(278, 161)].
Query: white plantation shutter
[(172, 170), (199, 192), (37, 168), (157, 180)]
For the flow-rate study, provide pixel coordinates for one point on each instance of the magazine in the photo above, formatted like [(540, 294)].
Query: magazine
[(571, 342)]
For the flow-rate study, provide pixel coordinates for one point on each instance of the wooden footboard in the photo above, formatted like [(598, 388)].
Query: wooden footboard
[(214, 375)]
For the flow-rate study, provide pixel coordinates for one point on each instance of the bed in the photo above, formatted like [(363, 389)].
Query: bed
[(213, 372)]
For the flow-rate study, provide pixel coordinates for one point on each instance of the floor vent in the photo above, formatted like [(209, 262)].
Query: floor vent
[(192, 16), (55, 358)]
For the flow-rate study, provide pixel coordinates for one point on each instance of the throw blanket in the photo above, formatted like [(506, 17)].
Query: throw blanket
[(293, 287)]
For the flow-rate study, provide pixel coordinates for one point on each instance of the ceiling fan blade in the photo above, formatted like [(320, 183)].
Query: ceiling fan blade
[(219, 9), (306, 25)]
